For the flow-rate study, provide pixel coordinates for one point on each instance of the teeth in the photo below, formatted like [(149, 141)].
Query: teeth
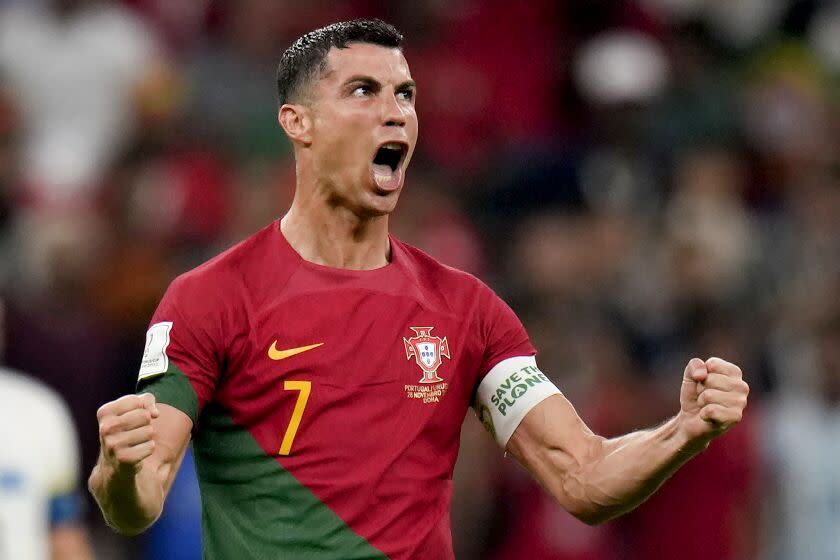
[(392, 146)]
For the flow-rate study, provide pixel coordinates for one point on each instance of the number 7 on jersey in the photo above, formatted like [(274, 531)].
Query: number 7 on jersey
[(303, 388)]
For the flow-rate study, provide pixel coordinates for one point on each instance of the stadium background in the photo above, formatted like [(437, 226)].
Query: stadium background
[(644, 181)]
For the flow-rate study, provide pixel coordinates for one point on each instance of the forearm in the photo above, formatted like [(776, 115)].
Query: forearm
[(597, 479), (613, 476), (130, 502), (628, 469)]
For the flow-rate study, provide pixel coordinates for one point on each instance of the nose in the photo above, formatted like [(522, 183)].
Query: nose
[(393, 113)]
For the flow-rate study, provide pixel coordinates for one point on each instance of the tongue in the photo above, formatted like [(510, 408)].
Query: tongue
[(385, 177)]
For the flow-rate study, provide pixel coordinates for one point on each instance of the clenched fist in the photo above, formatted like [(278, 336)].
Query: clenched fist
[(125, 431), (712, 398)]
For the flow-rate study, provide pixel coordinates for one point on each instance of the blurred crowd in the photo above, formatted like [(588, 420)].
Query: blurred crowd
[(643, 181)]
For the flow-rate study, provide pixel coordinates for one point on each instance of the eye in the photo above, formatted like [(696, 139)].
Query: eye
[(406, 94), (361, 91)]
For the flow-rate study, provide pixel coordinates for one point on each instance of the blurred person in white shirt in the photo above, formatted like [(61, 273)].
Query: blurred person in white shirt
[(40, 503)]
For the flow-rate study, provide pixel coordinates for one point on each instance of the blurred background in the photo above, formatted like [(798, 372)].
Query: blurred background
[(643, 181)]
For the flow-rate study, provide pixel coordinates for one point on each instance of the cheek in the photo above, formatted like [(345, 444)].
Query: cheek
[(331, 143), (412, 128), (413, 124), (339, 131), (340, 153)]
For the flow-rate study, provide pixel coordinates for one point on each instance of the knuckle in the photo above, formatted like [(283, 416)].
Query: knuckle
[(110, 447), (124, 456), (127, 399), (105, 428), (718, 381), (147, 449)]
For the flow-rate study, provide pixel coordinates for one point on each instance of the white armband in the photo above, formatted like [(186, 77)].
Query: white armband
[(155, 360), (508, 392)]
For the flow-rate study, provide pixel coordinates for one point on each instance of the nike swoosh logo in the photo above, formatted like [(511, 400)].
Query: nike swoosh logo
[(276, 354)]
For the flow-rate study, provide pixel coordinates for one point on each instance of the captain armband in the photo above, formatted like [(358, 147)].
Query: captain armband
[(508, 392)]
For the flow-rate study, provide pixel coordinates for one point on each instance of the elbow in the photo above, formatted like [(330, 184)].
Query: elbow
[(593, 507), (579, 490), (580, 503)]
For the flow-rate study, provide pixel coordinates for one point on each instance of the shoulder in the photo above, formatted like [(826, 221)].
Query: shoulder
[(220, 293), (446, 287), (432, 273), (228, 270), (450, 288)]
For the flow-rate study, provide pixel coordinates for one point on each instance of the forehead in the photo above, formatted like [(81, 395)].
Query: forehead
[(364, 59)]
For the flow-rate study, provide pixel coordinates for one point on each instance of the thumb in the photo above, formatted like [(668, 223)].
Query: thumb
[(147, 400), (696, 370)]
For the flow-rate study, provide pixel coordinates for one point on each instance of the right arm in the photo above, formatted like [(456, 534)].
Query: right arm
[(142, 445)]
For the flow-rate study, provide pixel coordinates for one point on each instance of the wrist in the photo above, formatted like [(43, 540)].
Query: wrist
[(690, 440), (128, 505)]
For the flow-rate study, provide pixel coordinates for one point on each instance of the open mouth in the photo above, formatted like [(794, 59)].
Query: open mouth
[(387, 162), (390, 154)]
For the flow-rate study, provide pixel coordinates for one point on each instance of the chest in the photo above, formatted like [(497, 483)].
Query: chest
[(346, 369)]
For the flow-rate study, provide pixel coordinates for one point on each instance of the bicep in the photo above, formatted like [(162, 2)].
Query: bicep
[(529, 416), (172, 430), (552, 441)]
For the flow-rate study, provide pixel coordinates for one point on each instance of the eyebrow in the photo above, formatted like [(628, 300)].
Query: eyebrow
[(368, 80)]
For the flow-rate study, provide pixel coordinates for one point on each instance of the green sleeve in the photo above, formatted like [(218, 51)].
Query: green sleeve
[(173, 388)]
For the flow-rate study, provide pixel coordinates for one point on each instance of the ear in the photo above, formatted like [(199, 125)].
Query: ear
[(296, 123)]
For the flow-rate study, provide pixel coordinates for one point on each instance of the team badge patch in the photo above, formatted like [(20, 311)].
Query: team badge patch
[(428, 352)]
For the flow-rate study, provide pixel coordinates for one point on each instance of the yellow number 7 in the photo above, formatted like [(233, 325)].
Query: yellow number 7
[(304, 387)]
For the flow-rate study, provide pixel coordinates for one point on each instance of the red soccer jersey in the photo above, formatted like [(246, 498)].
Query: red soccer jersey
[(326, 403)]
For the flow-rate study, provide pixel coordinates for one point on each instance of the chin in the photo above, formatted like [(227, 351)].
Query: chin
[(380, 203)]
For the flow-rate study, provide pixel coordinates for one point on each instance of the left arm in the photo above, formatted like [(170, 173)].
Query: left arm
[(597, 479), (69, 542)]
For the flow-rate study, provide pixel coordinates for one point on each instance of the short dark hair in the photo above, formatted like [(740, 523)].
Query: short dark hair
[(307, 57)]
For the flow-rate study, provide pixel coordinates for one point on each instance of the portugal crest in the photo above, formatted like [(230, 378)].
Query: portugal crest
[(428, 352)]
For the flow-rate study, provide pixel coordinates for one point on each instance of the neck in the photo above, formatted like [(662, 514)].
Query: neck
[(332, 235)]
